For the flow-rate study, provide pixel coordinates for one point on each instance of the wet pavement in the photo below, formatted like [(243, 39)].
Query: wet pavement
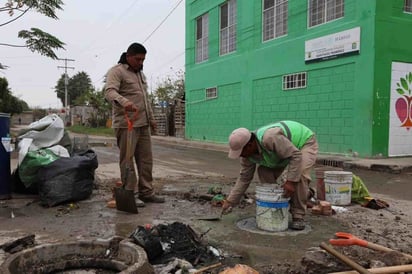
[(181, 170)]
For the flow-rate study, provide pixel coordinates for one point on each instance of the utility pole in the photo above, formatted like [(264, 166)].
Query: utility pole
[(66, 80)]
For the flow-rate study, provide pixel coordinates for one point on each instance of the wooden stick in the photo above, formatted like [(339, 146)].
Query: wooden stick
[(344, 259), (386, 249), (201, 270), (382, 270)]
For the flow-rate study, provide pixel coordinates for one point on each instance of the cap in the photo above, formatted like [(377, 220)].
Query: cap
[(237, 140)]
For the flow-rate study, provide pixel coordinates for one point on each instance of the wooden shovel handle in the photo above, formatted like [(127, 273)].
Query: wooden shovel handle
[(344, 259), (347, 239), (383, 270)]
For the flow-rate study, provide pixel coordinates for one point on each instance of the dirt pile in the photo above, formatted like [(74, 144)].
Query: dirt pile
[(165, 242)]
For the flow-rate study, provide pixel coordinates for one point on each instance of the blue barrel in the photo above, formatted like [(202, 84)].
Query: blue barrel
[(5, 156)]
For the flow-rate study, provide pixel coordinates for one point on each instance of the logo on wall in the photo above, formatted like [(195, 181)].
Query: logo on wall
[(403, 104)]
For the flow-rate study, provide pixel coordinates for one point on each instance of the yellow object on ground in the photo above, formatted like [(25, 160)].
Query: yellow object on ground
[(359, 190)]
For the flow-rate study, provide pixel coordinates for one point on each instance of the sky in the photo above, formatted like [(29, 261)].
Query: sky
[(95, 32)]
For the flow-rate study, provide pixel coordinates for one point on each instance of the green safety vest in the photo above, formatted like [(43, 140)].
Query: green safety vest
[(297, 133)]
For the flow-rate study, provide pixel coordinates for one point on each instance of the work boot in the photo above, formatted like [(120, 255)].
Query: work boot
[(153, 199), (297, 224), (139, 203)]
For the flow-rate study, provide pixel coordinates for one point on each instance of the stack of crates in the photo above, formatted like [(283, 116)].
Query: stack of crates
[(180, 118)]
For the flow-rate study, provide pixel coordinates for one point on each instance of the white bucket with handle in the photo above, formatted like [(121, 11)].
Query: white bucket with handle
[(338, 187), (272, 209)]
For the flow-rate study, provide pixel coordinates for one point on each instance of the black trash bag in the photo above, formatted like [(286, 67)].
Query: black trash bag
[(17, 186), (150, 242), (67, 179)]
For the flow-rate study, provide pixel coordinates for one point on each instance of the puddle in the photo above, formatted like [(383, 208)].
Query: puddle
[(10, 213), (124, 229)]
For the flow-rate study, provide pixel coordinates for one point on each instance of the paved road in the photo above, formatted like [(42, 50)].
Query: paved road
[(179, 156)]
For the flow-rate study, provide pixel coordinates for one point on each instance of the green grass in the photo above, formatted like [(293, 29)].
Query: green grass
[(101, 131)]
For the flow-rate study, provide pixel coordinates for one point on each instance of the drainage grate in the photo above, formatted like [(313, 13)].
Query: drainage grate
[(331, 163)]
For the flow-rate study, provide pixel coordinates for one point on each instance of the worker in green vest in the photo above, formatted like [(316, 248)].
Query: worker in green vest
[(283, 146)]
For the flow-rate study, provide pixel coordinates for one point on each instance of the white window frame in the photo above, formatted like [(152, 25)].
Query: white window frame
[(211, 93), (323, 11), (202, 38), (407, 7), (295, 81), (274, 19), (228, 32)]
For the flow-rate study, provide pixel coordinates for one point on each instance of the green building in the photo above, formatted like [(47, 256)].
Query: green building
[(341, 67)]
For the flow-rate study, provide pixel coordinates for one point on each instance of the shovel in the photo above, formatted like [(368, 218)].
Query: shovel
[(125, 200), (347, 239), (344, 259)]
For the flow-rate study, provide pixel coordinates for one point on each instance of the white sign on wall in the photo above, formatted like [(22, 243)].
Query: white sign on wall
[(400, 111), (333, 45)]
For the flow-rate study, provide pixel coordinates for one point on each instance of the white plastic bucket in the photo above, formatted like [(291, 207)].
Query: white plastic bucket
[(338, 187), (272, 210)]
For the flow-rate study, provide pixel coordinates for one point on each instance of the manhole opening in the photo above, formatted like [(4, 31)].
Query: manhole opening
[(147, 246), (100, 256)]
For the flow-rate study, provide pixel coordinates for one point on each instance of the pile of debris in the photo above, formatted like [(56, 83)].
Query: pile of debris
[(175, 246), (50, 165)]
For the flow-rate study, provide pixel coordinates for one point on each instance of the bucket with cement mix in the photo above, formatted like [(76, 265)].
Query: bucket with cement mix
[(272, 210), (320, 177), (338, 187)]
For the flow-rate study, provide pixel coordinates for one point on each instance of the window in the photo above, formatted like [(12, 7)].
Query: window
[(211, 93), (294, 81), (408, 6), (202, 30), (275, 18), (322, 11), (228, 27)]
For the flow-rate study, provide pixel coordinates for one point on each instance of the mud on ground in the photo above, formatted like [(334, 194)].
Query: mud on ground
[(390, 227), (185, 201)]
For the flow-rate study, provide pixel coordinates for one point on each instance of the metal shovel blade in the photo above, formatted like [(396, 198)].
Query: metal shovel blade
[(125, 200), (213, 216)]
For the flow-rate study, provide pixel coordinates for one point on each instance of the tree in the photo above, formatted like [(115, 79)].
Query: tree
[(77, 85), (35, 39), (170, 88), (102, 108), (8, 102)]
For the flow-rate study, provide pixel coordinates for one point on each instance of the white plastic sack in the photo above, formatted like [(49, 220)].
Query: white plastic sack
[(45, 132), (60, 151), (24, 146)]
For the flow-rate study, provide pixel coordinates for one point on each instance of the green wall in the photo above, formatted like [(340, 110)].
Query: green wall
[(393, 42), (339, 102)]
